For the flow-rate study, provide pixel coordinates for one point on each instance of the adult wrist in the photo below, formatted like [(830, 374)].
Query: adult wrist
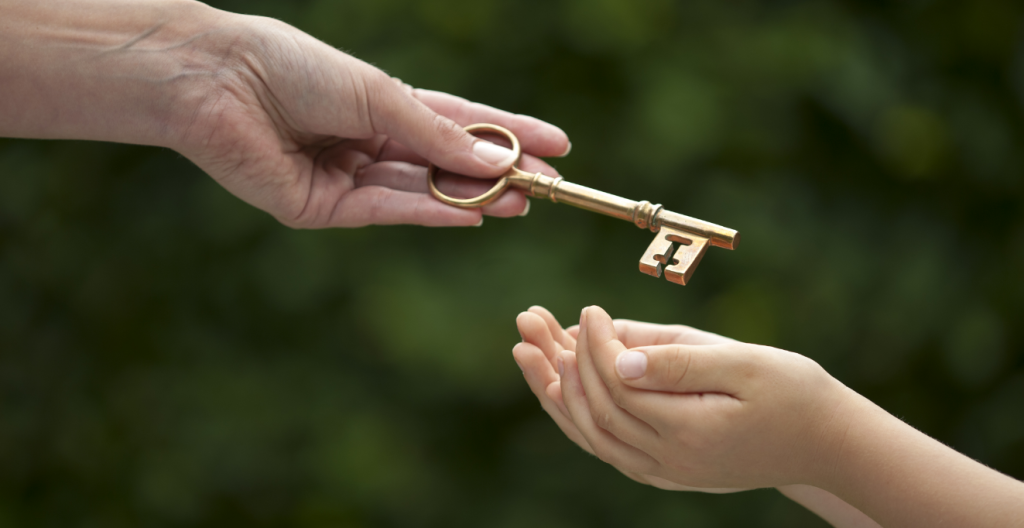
[(108, 70), (202, 54), (224, 65)]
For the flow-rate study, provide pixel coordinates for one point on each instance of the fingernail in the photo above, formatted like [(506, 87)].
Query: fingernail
[(480, 223), (526, 210), (493, 154), (631, 364), (520, 366), (561, 367), (567, 150)]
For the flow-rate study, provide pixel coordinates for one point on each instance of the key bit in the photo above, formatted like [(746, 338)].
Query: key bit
[(678, 252)]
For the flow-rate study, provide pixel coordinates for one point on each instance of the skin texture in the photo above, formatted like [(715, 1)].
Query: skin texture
[(707, 413), (313, 136)]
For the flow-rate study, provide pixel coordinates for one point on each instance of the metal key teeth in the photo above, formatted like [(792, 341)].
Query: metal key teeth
[(675, 251)]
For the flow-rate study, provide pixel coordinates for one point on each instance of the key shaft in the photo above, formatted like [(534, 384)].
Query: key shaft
[(643, 214)]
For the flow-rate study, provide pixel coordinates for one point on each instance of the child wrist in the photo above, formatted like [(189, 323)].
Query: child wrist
[(829, 457)]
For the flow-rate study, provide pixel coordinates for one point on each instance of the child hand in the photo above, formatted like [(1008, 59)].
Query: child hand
[(544, 340), (713, 414), (686, 410)]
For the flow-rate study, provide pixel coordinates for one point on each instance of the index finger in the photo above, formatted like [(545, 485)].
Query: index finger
[(535, 136), (567, 341), (637, 333)]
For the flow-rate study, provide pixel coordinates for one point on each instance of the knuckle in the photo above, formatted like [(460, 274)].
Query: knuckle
[(755, 362), (297, 216), (806, 364), (747, 371), (678, 365), (291, 223), (633, 476), (601, 416), (604, 454), (619, 395), (651, 466), (377, 83), (377, 97), (447, 130)]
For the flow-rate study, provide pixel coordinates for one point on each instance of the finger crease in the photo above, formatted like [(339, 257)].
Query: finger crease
[(686, 368)]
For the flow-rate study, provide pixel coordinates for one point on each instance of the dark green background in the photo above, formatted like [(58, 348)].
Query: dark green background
[(170, 356)]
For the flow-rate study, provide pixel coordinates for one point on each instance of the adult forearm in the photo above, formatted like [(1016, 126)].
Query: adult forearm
[(902, 478), (109, 70)]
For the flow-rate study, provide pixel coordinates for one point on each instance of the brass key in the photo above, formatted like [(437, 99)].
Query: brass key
[(677, 249)]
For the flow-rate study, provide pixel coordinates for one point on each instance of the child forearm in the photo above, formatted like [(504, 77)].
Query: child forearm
[(903, 478)]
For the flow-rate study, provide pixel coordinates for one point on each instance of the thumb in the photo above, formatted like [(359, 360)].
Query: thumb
[(395, 113), (686, 368)]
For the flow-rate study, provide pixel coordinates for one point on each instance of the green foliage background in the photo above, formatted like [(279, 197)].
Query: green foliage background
[(170, 356)]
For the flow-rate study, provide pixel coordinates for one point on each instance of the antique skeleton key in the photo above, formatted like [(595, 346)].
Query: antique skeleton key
[(680, 243)]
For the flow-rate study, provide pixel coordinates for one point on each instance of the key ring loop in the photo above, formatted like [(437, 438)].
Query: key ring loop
[(495, 192)]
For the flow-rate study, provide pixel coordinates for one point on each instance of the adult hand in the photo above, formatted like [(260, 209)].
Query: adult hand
[(321, 139), (313, 136)]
